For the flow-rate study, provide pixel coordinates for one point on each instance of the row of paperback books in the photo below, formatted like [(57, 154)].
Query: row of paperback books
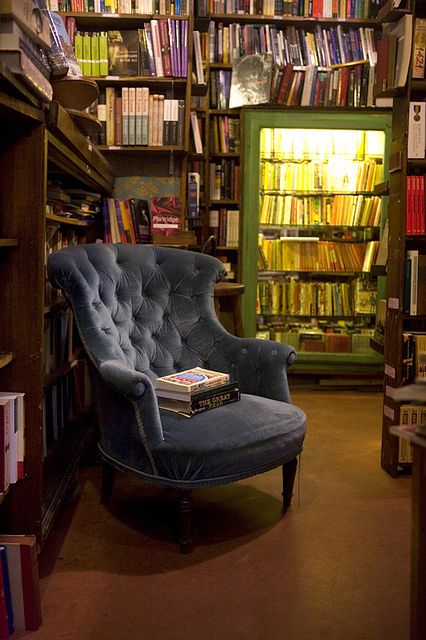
[(323, 47), (313, 175), (343, 210), (135, 116), (225, 180), (159, 49), (415, 211), (135, 221), (20, 603), (144, 7), (12, 438), (224, 226), (413, 357), (303, 8), (225, 134), (334, 174), (295, 297), (313, 87), (195, 390), (294, 254)]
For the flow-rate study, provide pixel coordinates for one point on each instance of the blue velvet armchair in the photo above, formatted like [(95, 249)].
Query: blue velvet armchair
[(144, 311)]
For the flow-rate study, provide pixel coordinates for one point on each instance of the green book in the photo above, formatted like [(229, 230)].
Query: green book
[(95, 54), (87, 54), (78, 48), (103, 54)]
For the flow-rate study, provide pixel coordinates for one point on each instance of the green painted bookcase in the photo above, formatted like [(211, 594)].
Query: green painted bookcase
[(254, 120)]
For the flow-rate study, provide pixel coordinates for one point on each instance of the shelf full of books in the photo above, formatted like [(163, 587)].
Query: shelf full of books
[(311, 233), (404, 321)]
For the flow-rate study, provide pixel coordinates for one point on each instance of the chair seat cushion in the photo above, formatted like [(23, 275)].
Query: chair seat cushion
[(229, 443)]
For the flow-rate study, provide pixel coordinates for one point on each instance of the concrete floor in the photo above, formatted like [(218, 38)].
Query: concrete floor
[(336, 567)]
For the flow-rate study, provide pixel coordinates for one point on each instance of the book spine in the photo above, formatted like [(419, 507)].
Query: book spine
[(103, 54), (132, 115), (30, 586), (216, 400), (125, 115)]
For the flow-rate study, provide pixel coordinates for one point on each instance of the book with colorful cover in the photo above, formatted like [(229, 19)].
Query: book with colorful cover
[(166, 215), (191, 380)]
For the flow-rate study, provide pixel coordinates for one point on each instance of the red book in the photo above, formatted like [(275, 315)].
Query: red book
[(285, 84), (24, 581), (408, 207), (166, 215), (165, 47)]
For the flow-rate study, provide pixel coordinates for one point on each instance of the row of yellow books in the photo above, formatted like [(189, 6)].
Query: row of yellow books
[(289, 254), (325, 144), (294, 297), (348, 210), (336, 175)]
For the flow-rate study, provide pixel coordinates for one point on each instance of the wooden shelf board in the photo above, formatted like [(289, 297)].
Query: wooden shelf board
[(139, 149), (146, 80), (69, 221), (291, 20), (9, 242), (388, 14), (109, 21)]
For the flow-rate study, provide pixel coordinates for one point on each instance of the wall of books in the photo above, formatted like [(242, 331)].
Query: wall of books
[(312, 223)]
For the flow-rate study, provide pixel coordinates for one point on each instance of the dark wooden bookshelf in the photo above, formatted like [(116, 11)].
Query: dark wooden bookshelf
[(39, 142)]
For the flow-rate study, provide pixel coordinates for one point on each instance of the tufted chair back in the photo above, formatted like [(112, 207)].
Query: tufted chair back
[(150, 307)]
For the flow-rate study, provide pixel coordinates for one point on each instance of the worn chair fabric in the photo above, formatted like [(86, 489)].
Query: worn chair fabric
[(144, 311)]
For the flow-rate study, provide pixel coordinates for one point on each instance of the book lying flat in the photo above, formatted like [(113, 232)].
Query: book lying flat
[(191, 396), (191, 379), (192, 407)]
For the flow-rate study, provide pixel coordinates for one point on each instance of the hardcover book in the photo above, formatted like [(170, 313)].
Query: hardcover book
[(193, 407), (123, 53), (166, 215), (24, 581), (191, 379)]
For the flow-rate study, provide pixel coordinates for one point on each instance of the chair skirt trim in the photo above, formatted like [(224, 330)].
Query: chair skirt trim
[(205, 482)]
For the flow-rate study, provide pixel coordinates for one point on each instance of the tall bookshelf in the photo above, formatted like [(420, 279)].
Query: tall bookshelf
[(292, 41), (158, 158), (36, 144), (400, 321), (307, 230)]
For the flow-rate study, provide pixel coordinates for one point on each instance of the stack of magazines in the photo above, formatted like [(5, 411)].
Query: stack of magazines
[(195, 390)]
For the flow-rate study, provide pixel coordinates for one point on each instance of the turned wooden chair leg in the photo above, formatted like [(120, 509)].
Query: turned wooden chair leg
[(184, 503), (108, 476), (289, 475)]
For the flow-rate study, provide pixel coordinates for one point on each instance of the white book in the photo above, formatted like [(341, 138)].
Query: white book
[(132, 115), (139, 111), (198, 58), (145, 115), (125, 115), (150, 118), (413, 256), (160, 121), (196, 133), (19, 427), (156, 45)]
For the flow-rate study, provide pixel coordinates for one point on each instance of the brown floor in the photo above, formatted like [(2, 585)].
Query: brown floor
[(336, 567)]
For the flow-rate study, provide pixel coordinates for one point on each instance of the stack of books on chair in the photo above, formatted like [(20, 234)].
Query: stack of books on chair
[(195, 390)]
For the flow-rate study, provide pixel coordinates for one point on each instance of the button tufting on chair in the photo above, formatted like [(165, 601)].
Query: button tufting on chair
[(262, 431)]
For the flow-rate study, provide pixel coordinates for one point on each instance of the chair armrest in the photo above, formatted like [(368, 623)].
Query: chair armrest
[(139, 390), (127, 381), (260, 365)]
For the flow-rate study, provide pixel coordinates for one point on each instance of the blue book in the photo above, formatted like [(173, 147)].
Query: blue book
[(6, 587)]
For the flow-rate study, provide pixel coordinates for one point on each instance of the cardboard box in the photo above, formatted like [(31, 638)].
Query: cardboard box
[(29, 17), (416, 130)]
